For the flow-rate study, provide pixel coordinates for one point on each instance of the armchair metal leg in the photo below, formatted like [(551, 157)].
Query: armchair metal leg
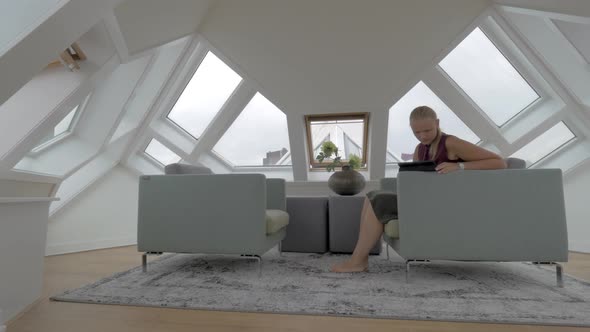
[(387, 250), (409, 261), (144, 262), (144, 259), (559, 274), (281, 248), (259, 259), (259, 265), (558, 271)]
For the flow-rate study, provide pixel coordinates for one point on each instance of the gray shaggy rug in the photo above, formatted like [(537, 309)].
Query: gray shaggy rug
[(300, 283)]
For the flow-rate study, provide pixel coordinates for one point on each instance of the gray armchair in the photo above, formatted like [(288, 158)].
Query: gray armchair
[(495, 215), (231, 214)]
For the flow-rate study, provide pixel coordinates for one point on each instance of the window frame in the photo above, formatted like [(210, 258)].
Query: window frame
[(43, 146), (151, 158), (553, 152), (189, 70), (506, 46), (313, 164)]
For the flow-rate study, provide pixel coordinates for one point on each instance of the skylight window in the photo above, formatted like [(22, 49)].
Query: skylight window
[(258, 137), (488, 78), (545, 144), (204, 95), (161, 153), (401, 141), (347, 131), (63, 127)]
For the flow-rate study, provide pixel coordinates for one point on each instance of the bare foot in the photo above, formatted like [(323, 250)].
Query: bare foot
[(350, 266)]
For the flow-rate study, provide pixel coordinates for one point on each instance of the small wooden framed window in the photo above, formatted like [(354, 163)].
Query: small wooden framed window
[(348, 131)]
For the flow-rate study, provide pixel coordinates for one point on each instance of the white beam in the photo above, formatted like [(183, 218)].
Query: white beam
[(298, 144), (224, 118), (377, 144), (28, 55)]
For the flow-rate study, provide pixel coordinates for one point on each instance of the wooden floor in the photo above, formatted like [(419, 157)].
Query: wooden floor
[(74, 270)]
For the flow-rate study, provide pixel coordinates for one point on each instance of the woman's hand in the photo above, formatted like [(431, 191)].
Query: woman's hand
[(444, 168)]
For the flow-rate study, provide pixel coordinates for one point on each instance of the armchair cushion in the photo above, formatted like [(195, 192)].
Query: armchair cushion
[(391, 229), (276, 220)]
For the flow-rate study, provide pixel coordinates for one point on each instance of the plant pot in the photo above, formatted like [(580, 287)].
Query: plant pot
[(346, 182)]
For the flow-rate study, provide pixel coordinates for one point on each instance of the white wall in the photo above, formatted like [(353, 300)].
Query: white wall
[(23, 225), (105, 215), (576, 185), (149, 23)]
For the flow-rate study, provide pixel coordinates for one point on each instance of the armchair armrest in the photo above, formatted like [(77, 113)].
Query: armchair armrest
[(389, 184), (275, 194)]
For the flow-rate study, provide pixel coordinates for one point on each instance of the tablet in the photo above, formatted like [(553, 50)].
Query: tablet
[(417, 166)]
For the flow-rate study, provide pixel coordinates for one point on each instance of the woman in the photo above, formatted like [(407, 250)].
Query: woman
[(449, 153)]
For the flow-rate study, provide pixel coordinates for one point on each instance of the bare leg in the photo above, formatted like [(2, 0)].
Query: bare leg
[(369, 233)]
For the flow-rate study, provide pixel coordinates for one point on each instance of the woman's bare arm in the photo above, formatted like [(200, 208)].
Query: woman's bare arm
[(475, 157)]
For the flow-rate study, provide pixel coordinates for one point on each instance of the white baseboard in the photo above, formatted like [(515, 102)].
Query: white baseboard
[(71, 247), (580, 246)]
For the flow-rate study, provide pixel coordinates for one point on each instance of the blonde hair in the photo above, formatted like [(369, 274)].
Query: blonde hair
[(425, 112)]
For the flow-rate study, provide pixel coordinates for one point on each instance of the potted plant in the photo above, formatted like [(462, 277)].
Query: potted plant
[(347, 181)]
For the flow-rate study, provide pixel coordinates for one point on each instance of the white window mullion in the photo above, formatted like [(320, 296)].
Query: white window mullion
[(224, 118), (533, 133), (169, 132), (170, 144), (197, 54), (298, 142), (166, 97), (452, 95)]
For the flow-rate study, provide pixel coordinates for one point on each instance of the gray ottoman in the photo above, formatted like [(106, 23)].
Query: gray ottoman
[(344, 221), (308, 225)]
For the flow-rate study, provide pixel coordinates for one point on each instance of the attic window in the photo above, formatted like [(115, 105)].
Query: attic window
[(63, 127), (545, 144), (258, 137), (488, 78), (349, 132), (401, 141), (204, 95), (161, 153)]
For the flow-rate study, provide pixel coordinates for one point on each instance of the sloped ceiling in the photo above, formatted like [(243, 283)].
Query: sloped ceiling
[(148, 23), (335, 55)]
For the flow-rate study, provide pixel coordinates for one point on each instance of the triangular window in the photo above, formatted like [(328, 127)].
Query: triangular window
[(258, 137), (64, 127)]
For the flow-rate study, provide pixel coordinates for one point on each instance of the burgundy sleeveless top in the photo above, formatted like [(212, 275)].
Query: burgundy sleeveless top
[(441, 152)]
